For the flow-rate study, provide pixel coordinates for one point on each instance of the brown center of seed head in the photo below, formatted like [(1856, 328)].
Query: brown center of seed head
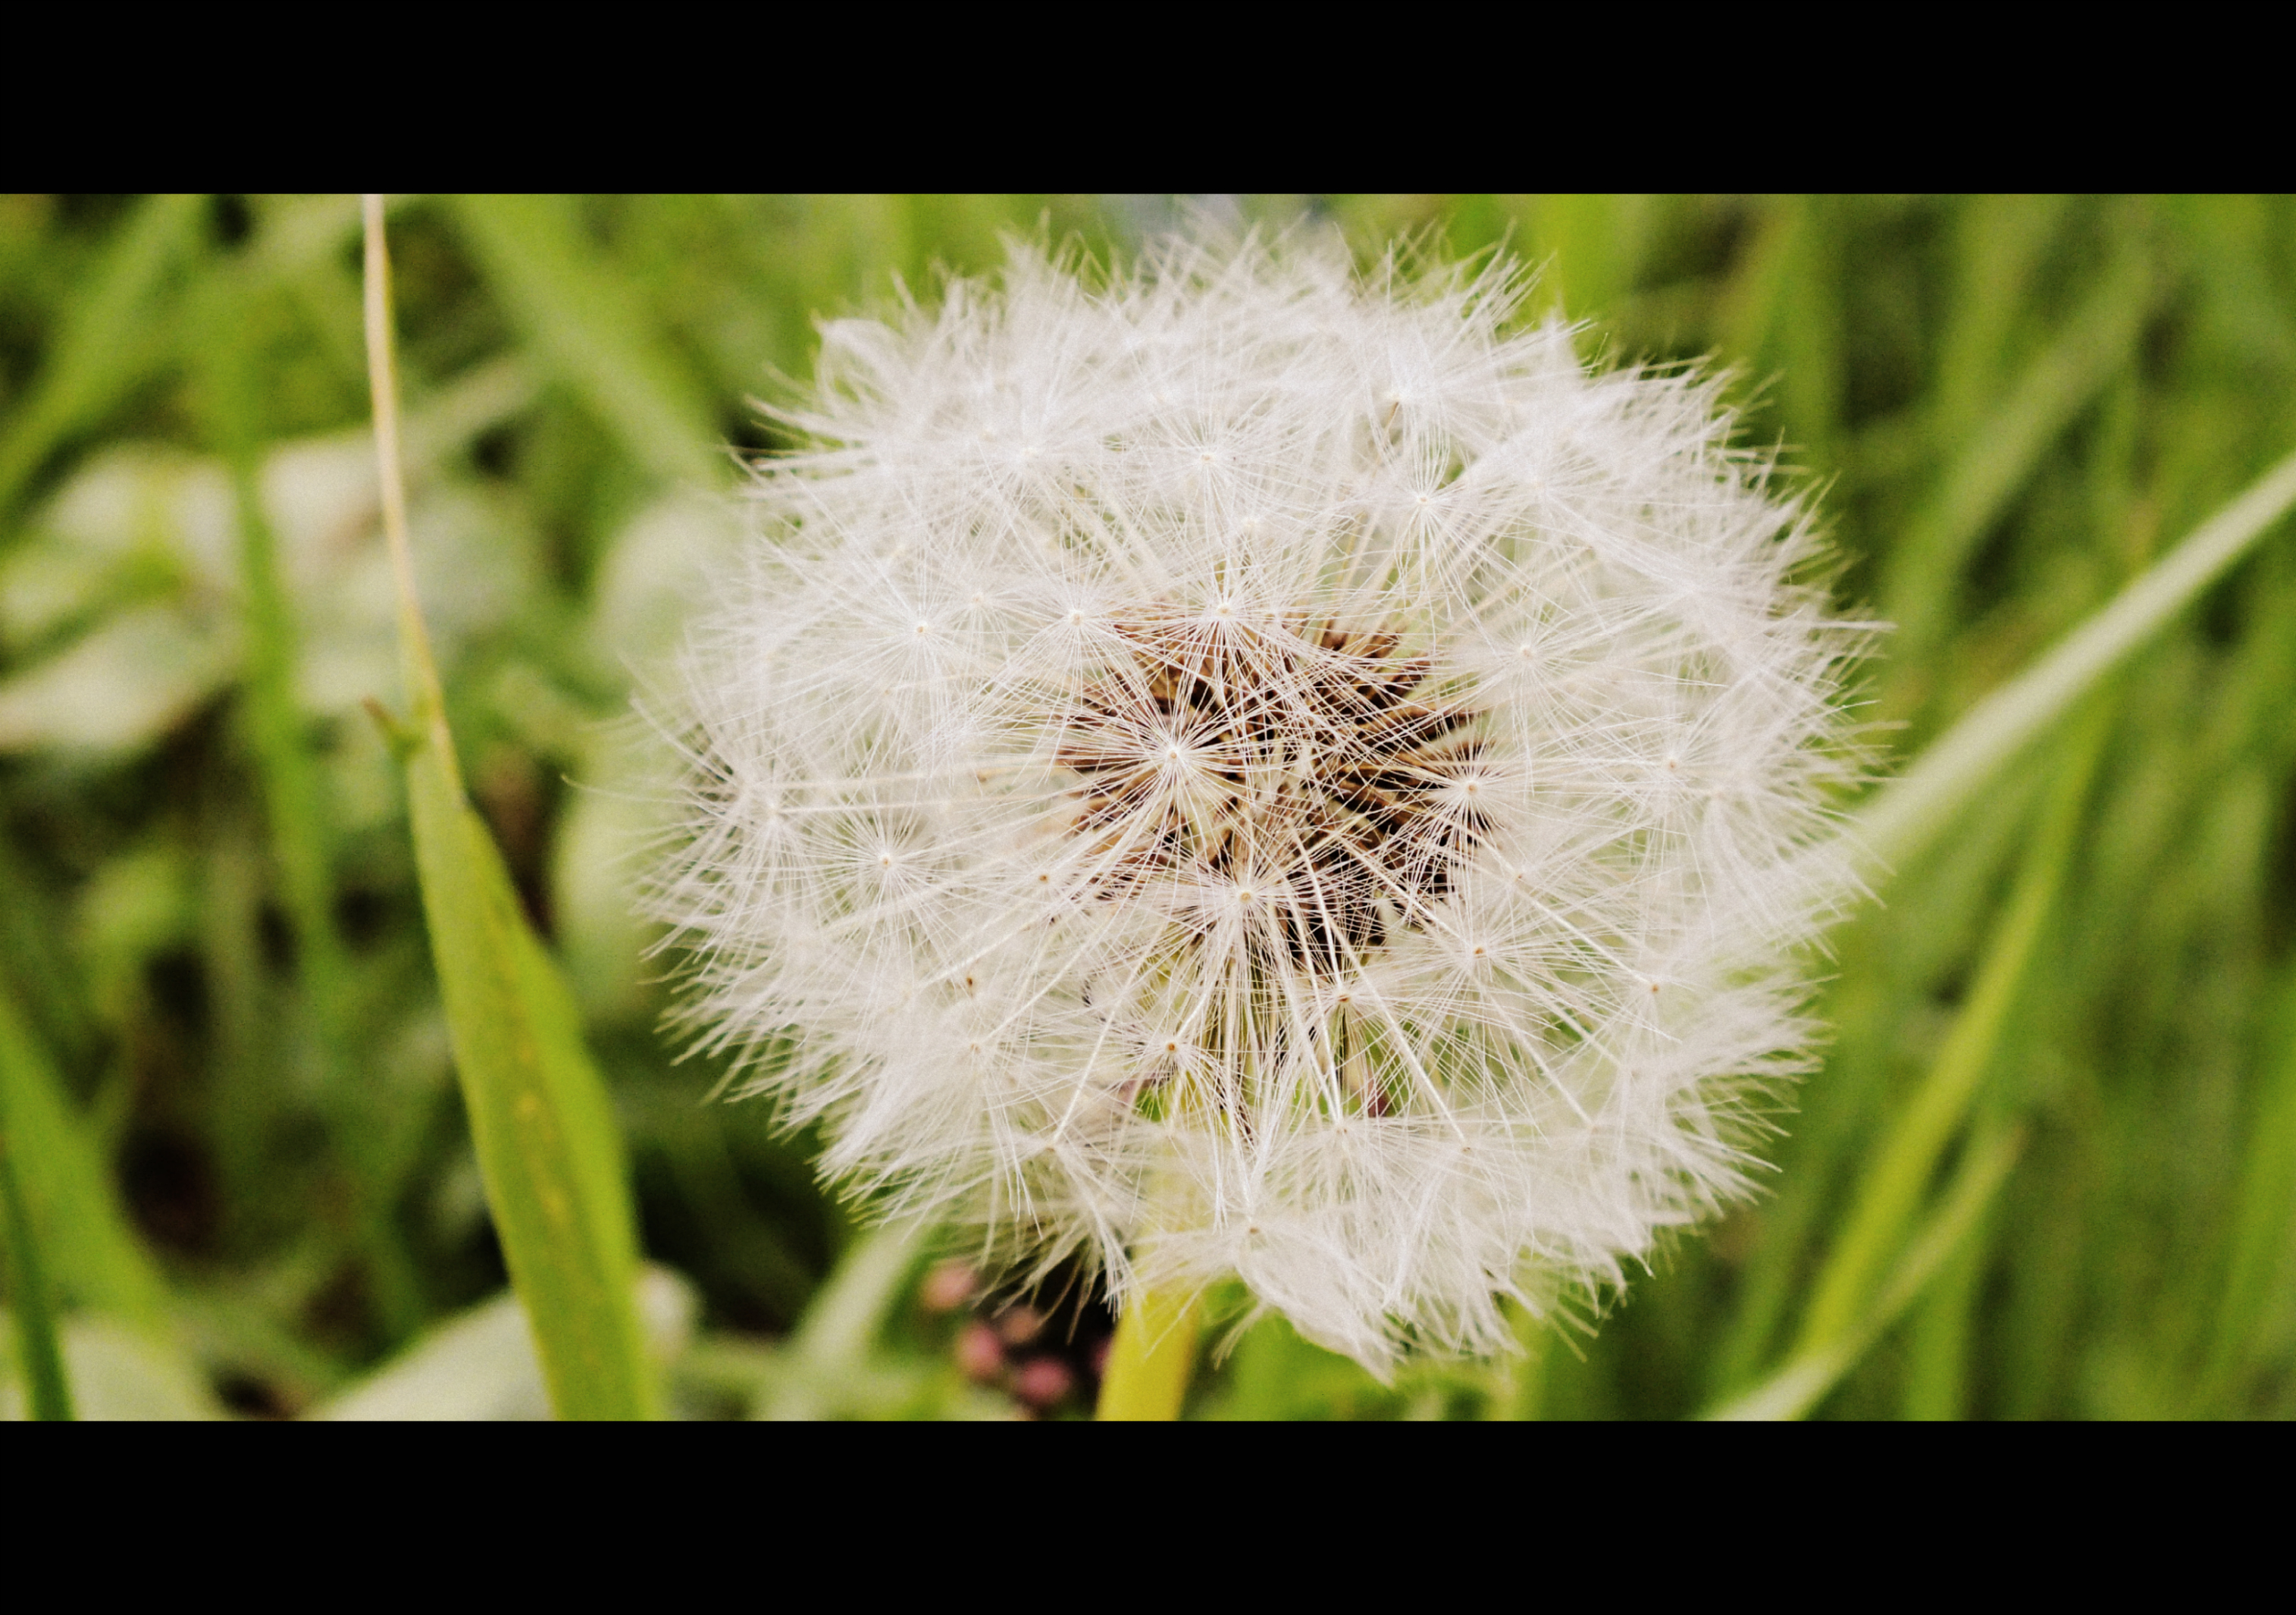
[(1302, 764)]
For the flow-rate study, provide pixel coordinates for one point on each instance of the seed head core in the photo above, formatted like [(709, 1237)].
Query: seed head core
[(1318, 791)]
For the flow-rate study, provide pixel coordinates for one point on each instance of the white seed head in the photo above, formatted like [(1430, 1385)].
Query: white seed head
[(1275, 864)]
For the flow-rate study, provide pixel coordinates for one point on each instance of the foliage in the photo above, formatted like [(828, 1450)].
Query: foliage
[(2065, 1058)]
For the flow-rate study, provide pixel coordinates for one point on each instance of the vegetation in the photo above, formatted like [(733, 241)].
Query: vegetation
[(2047, 1170)]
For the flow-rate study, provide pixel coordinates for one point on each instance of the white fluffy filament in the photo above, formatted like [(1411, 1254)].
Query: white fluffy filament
[(1255, 771)]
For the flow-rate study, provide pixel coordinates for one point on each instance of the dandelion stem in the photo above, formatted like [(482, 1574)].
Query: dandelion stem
[(1151, 1358)]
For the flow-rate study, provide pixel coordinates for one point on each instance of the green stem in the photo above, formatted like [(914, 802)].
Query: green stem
[(295, 811), (417, 666), (1151, 1358)]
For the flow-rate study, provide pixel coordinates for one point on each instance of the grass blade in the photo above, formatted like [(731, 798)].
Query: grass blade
[(1999, 454), (293, 799), (2264, 1221), (840, 1330), (1939, 1342), (1907, 814), (106, 341), (591, 332), (289, 771), (540, 1118), (1890, 1193), (88, 1248), (1999, 243), (1779, 310), (31, 1296), (1802, 1384)]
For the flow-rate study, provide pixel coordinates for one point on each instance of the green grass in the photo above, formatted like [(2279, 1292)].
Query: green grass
[(2045, 1170)]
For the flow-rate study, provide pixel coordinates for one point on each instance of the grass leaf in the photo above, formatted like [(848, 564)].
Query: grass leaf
[(1909, 812), (294, 802), (1891, 1189), (87, 1249), (107, 340), (31, 1296), (2001, 449), (540, 1119), (2257, 1268), (596, 335), (1803, 1382), (838, 1331)]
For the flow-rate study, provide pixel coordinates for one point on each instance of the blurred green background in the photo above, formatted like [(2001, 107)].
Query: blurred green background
[(216, 995)]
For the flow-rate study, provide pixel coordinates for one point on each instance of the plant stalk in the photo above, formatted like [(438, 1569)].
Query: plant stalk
[(1151, 1358)]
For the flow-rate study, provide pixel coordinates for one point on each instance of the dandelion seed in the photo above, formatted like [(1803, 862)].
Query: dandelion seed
[(1349, 981)]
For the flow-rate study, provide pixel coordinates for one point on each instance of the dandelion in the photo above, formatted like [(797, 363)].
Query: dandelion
[(1255, 771)]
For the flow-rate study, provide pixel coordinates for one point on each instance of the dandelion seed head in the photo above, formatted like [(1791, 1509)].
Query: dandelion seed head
[(1276, 793)]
